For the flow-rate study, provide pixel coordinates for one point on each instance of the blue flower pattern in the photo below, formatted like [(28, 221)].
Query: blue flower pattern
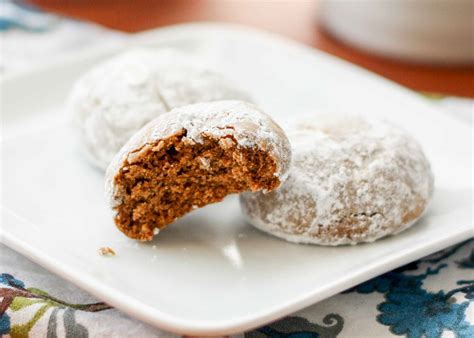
[(9, 280), (418, 313), (410, 310), (4, 324)]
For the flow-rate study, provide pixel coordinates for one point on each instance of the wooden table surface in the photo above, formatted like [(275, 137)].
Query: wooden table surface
[(296, 19)]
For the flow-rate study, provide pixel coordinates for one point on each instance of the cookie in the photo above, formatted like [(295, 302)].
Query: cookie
[(190, 157), (352, 180), (116, 98)]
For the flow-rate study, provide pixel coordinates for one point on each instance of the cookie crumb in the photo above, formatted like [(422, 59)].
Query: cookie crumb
[(106, 251), (156, 231)]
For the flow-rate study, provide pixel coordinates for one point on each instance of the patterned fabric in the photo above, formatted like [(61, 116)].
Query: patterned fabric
[(433, 297), (36, 303)]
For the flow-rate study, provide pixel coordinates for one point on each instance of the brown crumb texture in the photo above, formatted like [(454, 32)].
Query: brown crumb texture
[(106, 251), (172, 176)]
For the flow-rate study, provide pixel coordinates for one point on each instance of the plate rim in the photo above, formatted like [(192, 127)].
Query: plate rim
[(154, 317)]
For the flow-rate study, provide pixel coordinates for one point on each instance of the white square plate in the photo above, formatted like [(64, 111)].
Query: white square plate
[(210, 273)]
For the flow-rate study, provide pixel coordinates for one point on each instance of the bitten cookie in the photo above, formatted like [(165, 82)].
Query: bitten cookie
[(116, 98), (190, 157), (352, 180)]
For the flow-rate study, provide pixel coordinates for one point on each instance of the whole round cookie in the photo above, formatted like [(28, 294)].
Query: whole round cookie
[(352, 180), (190, 157), (116, 98)]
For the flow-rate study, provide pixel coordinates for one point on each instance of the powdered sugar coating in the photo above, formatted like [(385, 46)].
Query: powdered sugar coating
[(116, 98), (244, 122), (352, 180)]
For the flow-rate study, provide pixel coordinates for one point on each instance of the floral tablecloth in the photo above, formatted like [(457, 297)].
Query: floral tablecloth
[(433, 297)]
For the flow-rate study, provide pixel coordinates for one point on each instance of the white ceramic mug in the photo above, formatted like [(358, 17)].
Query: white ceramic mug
[(433, 31)]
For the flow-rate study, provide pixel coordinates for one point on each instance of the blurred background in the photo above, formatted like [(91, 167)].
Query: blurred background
[(426, 45)]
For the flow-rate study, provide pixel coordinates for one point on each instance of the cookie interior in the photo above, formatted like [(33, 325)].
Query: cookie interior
[(172, 176)]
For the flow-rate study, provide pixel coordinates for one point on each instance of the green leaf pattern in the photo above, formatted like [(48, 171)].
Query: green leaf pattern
[(15, 297)]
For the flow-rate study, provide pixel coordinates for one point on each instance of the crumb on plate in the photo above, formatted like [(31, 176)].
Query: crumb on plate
[(106, 251)]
